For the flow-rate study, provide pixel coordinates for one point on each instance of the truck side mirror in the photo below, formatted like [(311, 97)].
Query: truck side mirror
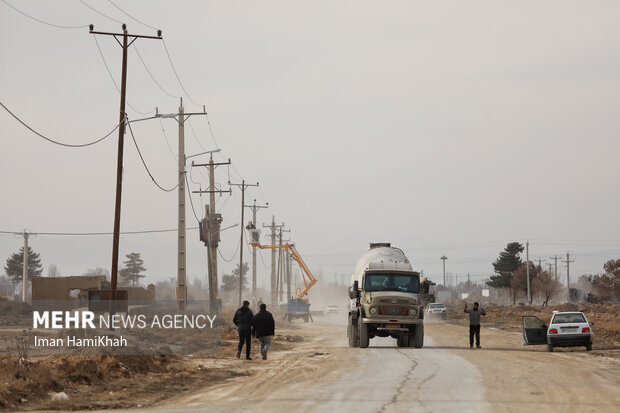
[(353, 293)]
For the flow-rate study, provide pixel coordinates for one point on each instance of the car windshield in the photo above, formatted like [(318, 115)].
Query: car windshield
[(568, 318), (392, 282), (437, 306)]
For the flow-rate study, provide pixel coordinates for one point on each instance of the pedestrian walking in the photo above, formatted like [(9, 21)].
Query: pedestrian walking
[(263, 327), (474, 323), (243, 320)]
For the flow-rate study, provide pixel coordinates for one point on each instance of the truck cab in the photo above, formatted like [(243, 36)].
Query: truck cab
[(386, 299)]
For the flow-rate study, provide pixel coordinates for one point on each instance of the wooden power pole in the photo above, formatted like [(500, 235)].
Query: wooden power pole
[(119, 160)]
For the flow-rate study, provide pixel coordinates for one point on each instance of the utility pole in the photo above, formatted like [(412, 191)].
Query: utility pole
[(182, 241), (25, 234), (181, 117), (556, 258), (527, 269), (254, 208), (242, 186), (444, 258), (212, 220), (289, 272), (567, 262), (274, 287), (280, 287), (119, 161)]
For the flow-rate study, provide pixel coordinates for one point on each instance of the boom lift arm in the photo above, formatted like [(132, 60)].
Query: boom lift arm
[(306, 274)]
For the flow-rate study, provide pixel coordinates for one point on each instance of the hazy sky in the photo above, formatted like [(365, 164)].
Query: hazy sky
[(449, 128)]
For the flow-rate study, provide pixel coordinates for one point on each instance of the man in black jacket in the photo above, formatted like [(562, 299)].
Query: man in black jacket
[(263, 327), (243, 321)]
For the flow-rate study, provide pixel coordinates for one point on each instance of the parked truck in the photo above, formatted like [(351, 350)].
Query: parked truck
[(386, 300)]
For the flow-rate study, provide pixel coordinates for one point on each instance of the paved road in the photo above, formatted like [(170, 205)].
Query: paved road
[(323, 374)]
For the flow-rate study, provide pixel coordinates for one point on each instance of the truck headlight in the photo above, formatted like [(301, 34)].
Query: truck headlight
[(413, 311), (373, 310)]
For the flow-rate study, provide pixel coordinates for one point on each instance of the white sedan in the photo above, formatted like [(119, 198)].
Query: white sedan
[(437, 310), (567, 329)]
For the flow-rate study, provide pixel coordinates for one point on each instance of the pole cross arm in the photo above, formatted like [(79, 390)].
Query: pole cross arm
[(214, 164), (214, 191)]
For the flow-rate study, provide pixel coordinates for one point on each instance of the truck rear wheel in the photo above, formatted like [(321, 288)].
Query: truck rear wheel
[(417, 340), (363, 331)]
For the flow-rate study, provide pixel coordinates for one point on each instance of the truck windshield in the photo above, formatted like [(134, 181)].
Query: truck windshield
[(392, 282)]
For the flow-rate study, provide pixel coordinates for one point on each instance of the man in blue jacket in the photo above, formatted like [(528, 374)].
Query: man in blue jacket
[(243, 321), (474, 323)]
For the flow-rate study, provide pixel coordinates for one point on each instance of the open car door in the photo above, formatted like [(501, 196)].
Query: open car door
[(534, 330)]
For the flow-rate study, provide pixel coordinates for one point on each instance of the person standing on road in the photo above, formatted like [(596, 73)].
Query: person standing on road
[(243, 321), (474, 323), (263, 327)]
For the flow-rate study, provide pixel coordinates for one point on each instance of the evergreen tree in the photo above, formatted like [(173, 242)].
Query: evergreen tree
[(230, 282), (14, 267), (133, 267), (508, 261)]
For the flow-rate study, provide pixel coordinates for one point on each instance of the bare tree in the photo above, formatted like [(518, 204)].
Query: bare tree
[(7, 288), (53, 271), (518, 282), (547, 285), (98, 271)]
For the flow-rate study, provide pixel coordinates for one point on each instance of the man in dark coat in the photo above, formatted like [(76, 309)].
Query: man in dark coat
[(243, 321), (263, 327)]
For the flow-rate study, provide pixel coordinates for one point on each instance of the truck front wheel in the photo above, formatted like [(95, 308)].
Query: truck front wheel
[(352, 333), (363, 331), (417, 340), (402, 341)]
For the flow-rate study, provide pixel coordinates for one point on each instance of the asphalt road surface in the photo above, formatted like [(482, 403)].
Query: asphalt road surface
[(322, 374)]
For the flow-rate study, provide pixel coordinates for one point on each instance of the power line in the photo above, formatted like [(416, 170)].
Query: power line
[(79, 234), (80, 145), (234, 254), (151, 75), (42, 21), (131, 17), (114, 81), (100, 13), (190, 198), (177, 75), (260, 253), (146, 167), (167, 142), (196, 136)]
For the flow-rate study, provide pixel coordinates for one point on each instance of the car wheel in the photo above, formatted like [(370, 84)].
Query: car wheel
[(589, 347), (550, 348)]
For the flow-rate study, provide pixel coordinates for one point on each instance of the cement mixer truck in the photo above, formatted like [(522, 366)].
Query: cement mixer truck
[(386, 300)]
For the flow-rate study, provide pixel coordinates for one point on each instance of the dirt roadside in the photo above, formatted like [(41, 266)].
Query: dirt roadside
[(527, 378), (93, 381)]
